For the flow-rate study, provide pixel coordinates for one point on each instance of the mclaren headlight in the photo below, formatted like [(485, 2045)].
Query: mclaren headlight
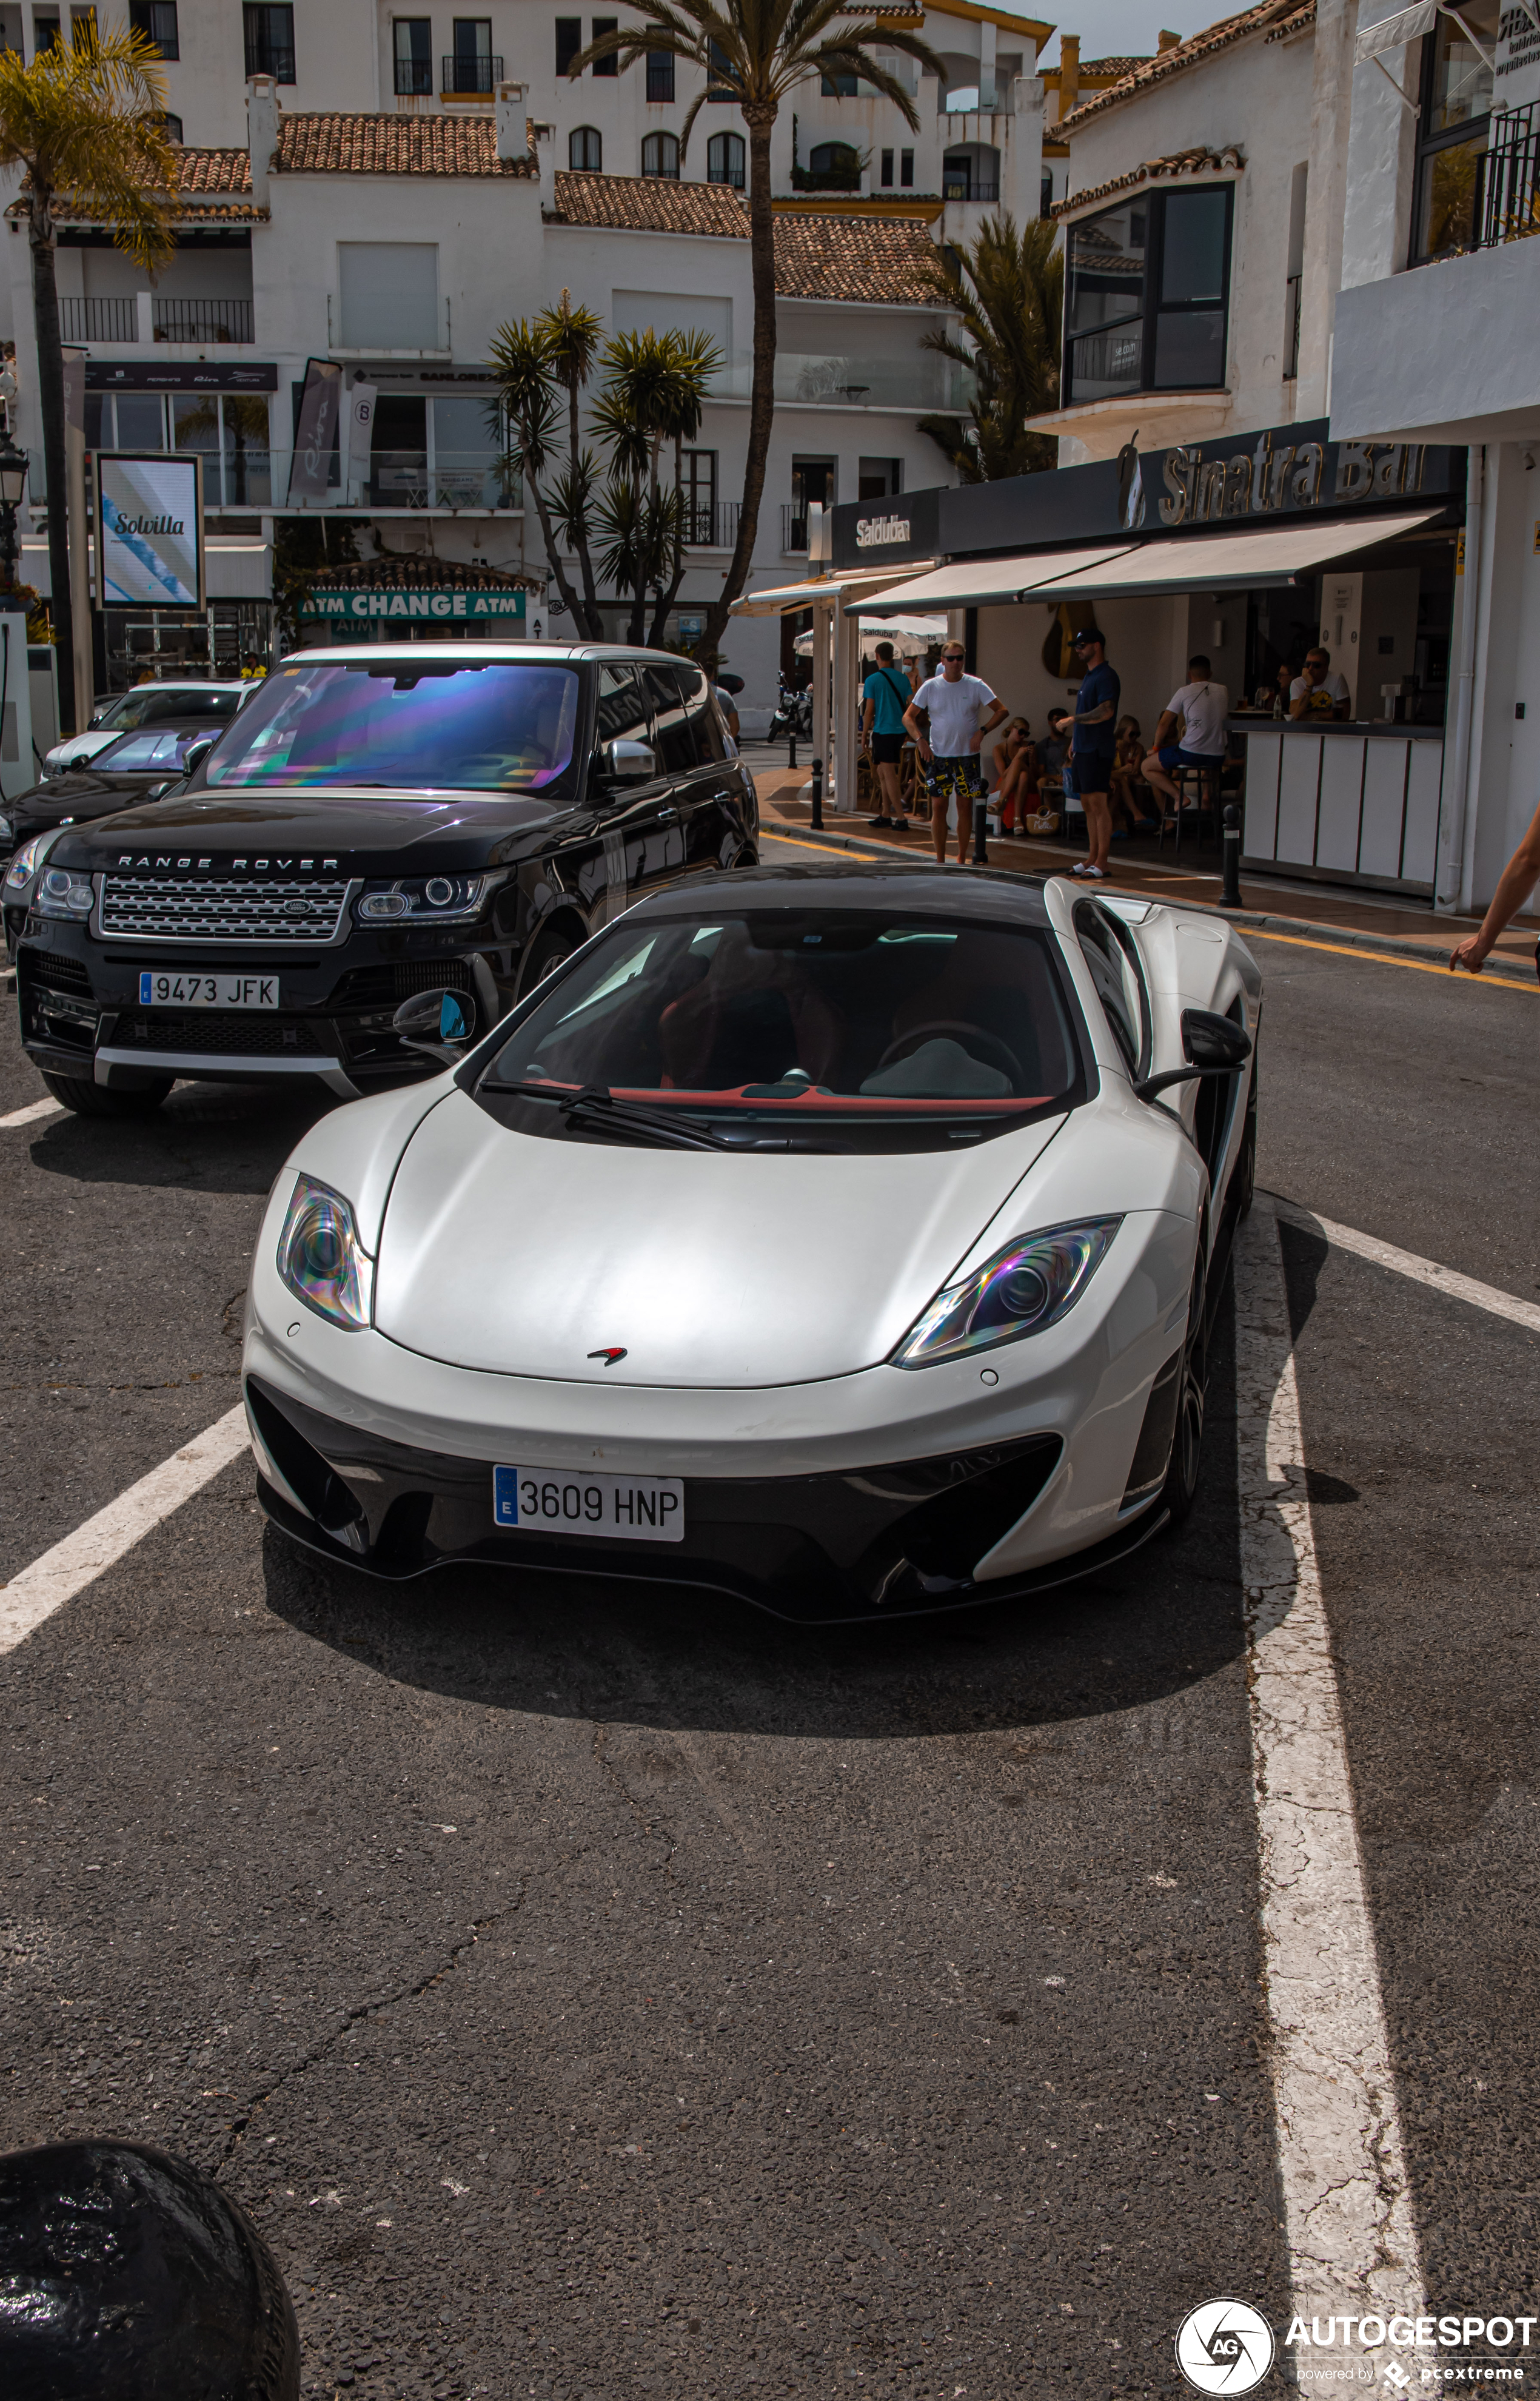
[(320, 1258), (1025, 1287), (426, 899)]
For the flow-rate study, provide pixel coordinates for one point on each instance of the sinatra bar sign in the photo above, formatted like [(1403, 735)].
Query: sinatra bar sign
[(1268, 479), (455, 606)]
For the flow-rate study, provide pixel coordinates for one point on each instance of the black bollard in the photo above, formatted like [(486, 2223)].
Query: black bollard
[(1230, 897), (791, 748), (126, 2272), (818, 794)]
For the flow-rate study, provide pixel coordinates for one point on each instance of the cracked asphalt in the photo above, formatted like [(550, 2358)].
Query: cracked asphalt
[(594, 1993)]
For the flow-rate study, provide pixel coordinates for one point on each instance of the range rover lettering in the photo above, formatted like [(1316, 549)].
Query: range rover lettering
[(376, 824)]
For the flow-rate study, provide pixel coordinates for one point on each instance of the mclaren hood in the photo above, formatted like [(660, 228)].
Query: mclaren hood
[(524, 1257)]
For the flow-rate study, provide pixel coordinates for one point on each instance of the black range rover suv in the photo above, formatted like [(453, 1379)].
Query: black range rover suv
[(374, 824)]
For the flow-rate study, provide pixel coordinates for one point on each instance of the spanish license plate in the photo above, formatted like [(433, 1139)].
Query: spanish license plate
[(623, 1508), (207, 991)]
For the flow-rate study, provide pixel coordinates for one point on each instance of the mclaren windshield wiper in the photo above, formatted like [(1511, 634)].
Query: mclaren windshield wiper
[(594, 1109)]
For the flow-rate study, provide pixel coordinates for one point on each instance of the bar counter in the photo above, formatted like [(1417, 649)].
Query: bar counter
[(1354, 803)]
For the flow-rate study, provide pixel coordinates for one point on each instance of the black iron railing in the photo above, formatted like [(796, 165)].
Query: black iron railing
[(712, 525), (203, 321), (99, 321), (464, 74), (415, 76), (1508, 183)]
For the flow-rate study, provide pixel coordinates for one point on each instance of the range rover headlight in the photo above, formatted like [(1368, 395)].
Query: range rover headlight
[(1025, 1287), (62, 892), (439, 898), (320, 1258)]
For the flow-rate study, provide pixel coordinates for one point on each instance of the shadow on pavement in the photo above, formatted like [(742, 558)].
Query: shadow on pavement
[(644, 1654), (216, 1137)]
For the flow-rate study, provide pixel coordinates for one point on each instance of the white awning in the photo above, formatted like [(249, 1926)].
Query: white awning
[(1407, 25), (1215, 562), (824, 591), (974, 583)]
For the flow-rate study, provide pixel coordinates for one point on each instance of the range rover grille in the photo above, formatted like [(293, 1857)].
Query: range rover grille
[(219, 909)]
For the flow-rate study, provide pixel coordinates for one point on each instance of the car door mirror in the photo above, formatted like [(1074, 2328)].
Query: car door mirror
[(1214, 1046), (197, 751), (439, 1022), (628, 763)]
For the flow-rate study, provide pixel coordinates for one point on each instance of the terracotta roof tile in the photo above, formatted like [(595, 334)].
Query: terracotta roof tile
[(1273, 20), (853, 258), (648, 204), (214, 170), (394, 146), (1201, 162)]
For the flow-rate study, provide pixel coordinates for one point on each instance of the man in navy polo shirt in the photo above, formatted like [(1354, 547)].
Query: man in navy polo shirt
[(1088, 769)]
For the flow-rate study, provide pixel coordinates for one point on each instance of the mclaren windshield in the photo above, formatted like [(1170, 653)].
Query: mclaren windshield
[(792, 1025), (488, 725)]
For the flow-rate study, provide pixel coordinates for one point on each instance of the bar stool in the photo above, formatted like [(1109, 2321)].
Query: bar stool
[(1189, 783)]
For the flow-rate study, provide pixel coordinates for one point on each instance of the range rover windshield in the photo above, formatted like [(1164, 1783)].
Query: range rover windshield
[(791, 1027), (488, 725)]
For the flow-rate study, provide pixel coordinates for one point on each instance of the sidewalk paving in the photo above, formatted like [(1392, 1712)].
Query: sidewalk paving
[(1306, 910)]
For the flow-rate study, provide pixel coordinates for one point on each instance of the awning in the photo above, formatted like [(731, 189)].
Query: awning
[(822, 592), (1411, 24), (1213, 563), (975, 584)]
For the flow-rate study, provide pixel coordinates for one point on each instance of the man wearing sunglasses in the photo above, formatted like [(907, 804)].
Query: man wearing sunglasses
[(954, 704)]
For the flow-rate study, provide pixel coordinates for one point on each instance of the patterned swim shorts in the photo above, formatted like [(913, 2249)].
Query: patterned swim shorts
[(954, 779)]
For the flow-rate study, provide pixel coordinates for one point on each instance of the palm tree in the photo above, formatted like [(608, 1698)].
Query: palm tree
[(758, 51), (1008, 293), (85, 125), (655, 388)]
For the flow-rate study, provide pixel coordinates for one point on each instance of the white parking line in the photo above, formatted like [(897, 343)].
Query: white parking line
[(29, 1115), (1352, 2241), (104, 1540), (1407, 1262)]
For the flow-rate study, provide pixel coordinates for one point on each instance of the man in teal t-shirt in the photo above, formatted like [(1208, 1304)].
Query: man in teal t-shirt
[(886, 695)]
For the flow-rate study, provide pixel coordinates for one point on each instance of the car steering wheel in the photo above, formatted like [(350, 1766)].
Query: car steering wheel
[(987, 1049)]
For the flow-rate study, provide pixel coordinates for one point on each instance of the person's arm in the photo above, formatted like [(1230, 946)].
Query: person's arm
[(868, 719), (1343, 708), (1163, 732), (913, 730), (1100, 716), (1298, 703), (997, 711), (1519, 878)]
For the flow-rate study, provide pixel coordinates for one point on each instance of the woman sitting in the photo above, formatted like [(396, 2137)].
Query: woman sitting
[(1125, 780), (1016, 772)]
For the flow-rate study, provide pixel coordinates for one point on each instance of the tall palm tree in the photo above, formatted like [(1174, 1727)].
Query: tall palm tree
[(1008, 292), (86, 126), (759, 51)]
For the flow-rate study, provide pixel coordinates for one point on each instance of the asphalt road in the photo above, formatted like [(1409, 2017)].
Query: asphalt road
[(594, 1993)]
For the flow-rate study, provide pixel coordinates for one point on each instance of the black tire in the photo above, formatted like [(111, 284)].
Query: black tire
[(89, 1100), (1186, 1466), (547, 954)]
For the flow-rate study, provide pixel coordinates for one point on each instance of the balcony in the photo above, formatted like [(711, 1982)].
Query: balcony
[(1507, 181), (794, 530), (970, 187), (414, 78), (471, 78), (712, 525), (203, 321), (99, 321)]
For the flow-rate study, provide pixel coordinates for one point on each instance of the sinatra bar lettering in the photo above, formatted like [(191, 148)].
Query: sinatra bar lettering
[(1273, 480)]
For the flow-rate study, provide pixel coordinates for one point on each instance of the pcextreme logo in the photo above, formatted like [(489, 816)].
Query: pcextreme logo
[(1224, 2347)]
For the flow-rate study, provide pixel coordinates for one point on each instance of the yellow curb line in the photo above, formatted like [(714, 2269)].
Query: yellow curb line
[(1383, 959)]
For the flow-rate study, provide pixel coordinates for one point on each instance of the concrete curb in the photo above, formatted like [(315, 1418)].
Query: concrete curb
[(1501, 970)]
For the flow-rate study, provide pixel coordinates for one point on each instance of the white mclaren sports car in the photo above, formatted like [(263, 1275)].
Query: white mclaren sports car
[(845, 1239)]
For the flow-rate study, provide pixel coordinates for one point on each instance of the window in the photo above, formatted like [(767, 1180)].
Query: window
[(45, 33), (839, 87), (675, 737), (878, 479), (472, 66), (156, 20), (1046, 194), (700, 488), (661, 157), (725, 160), (390, 295), (611, 65), (414, 54), (1148, 297), (887, 169), (172, 124), (270, 41), (835, 166), (660, 74), (622, 714), (1456, 108), (1109, 953), (569, 41), (701, 717), (585, 150), (722, 89), (906, 169)]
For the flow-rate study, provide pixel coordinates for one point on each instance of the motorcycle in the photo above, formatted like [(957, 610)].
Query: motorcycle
[(794, 716)]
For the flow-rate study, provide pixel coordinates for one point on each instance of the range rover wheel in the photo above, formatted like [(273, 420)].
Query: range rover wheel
[(89, 1100), (1181, 1476), (552, 947)]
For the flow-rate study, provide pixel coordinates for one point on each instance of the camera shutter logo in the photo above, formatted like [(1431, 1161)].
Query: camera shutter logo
[(1224, 2347)]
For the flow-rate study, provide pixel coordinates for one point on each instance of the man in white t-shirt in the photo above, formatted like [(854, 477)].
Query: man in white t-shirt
[(1200, 708), (955, 704), (1318, 694)]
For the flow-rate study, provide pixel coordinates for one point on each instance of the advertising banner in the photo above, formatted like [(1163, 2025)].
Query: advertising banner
[(482, 606), (316, 434), (149, 530), (361, 430)]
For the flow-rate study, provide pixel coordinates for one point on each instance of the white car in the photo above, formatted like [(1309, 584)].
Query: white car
[(148, 703), (846, 1240)]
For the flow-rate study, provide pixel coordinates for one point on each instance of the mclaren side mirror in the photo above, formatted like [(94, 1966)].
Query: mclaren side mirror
[(628, 763), (1213, 1045), (439, 1022), (197, 751)]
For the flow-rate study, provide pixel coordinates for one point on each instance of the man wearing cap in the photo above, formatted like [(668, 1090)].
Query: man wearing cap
[(1088, 769), (954, 704)]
